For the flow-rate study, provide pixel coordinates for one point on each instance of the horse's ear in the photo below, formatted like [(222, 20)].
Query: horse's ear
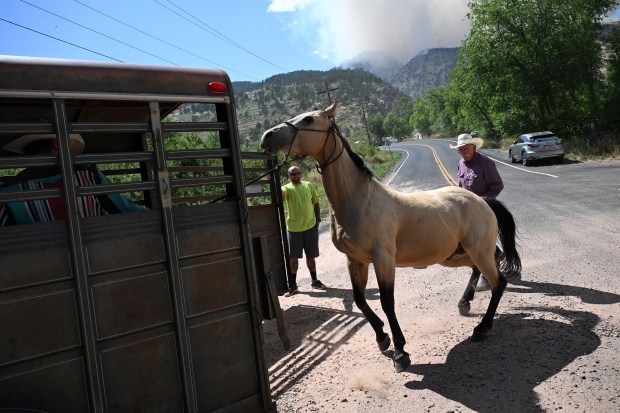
[(330, 111)]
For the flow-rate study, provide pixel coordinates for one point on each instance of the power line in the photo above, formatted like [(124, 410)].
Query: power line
[(206, 27), (60, 40), (99, 33), (163, 41), (215, 33), (327, 90), (366, 124)]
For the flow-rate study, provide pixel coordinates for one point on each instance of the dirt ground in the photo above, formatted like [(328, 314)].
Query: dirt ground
[(554, 345), (540, 356)]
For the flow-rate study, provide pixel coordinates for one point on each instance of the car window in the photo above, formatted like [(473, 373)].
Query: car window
[(545, 138)]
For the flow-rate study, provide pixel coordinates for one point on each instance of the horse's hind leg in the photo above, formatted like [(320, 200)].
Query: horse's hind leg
[(468, 295), (359, 278)]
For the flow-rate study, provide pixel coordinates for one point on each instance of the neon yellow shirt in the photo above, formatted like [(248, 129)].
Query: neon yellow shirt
[(299, 203)]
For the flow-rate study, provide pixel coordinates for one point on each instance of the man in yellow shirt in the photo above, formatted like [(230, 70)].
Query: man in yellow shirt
[(303, 215)]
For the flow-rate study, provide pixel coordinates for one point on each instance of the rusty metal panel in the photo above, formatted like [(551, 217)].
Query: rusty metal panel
[(143, 376), (33, 254), (224, 363), (120, 241), (276, 262), (202, 240), (38, 325), (214, 286), (58, 387), (263, 218), (126, 305), (208, 229), (122, 253), (264, 221)]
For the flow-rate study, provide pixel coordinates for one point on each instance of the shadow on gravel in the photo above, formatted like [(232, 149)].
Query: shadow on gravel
[(587, 295), (522, 351), (315, 333)]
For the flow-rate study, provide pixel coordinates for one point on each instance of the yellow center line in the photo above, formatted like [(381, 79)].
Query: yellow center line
[(447, 176)]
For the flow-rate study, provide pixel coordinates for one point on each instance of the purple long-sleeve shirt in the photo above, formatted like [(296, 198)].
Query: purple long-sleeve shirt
[(480, 176)]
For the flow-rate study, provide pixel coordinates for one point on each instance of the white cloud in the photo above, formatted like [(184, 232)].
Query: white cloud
[(279, 6)]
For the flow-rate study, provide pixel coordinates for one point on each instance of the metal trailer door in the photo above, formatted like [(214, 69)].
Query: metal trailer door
[(146, 311)]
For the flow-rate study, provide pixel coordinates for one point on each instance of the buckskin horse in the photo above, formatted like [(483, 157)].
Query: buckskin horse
[(372, 223)]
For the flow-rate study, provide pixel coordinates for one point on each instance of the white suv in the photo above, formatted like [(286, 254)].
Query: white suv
[(537, 145)]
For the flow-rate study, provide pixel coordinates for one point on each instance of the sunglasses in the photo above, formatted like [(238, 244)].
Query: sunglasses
[(294, 173)]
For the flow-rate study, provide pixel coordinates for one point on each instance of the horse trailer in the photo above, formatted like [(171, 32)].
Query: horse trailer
[(158, 310)]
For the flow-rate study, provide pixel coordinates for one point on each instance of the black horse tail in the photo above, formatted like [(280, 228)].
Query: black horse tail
[(510, 264)]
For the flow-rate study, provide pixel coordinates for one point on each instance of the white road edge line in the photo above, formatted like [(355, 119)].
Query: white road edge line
[(401, 165), (525, 170)]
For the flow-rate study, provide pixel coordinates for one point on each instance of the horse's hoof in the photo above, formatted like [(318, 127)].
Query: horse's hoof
[(464, 308), (479, 336), (385, 343), (401, 362)]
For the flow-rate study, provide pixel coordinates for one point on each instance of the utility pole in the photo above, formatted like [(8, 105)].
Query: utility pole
[(366, 124), (327, 90)]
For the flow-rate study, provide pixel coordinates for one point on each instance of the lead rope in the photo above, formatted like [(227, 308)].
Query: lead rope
[(286, 161), (277, 167)]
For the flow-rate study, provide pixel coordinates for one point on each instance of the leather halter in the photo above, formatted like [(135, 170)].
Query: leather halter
[(332, 130)]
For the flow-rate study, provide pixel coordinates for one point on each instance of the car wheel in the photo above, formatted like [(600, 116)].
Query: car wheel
[(560, 159), (512, 159), (524, 159)]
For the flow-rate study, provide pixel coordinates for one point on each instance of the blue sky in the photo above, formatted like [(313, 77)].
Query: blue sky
[(250, 39)]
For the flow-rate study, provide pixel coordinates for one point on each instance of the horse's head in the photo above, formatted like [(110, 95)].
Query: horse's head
[(302, 135)]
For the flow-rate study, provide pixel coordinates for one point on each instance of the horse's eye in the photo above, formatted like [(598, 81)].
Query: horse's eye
[(308, 119)]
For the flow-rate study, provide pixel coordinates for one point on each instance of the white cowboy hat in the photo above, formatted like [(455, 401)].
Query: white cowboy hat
[(467, 139), (18, 145)]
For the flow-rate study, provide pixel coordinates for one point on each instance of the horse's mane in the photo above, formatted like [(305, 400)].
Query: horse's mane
[(357, 160)]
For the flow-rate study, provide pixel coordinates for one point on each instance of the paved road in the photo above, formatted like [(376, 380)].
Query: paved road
[(562, 211)]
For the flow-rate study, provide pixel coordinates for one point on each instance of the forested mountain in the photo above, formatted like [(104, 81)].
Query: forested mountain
[(425, 71), (261, 105)]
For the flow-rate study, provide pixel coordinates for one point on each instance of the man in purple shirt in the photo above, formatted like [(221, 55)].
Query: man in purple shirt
[(478, 174)]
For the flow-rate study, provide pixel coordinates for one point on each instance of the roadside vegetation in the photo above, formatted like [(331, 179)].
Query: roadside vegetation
[(526, 66)]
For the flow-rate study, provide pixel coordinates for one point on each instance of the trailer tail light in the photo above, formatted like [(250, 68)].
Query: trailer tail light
[(217, 87)]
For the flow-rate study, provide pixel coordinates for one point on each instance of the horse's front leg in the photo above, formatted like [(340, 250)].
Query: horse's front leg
[(468, 295), (359, 278), (385, 278), (482, 330)]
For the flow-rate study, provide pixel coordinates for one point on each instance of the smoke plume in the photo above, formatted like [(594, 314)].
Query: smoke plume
[(340, 30)]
